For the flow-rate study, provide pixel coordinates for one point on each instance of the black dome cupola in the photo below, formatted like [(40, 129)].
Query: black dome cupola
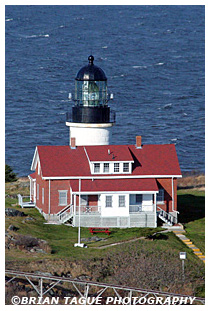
[(91, 98), (91, 72)]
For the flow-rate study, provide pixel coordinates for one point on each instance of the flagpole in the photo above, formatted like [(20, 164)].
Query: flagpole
[(79, 216), (79, 212)]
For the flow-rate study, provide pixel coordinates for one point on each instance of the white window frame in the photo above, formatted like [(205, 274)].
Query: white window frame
[(43, 195), (128, 167), (123, 203), (98, 167), (106, 202), (160, 196), (63, 192), (106, 167), (116, 166)]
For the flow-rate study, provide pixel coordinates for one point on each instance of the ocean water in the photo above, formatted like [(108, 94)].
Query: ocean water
[(153, 57)]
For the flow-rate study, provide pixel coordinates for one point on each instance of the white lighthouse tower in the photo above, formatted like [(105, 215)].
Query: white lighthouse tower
[(91, 120)]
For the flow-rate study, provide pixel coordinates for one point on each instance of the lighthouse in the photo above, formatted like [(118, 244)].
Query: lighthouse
[(91, 119)]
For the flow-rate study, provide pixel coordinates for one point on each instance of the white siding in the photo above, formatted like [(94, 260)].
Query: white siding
[(115, 210), (147, 203)]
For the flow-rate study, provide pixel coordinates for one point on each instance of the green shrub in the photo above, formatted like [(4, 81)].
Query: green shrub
[(9, 174)]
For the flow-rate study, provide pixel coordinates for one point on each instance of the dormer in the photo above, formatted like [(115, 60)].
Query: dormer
[(111, 159), (111, 167)]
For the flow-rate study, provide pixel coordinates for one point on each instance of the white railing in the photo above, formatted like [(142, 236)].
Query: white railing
[(141, 208), (166, 216), (88, 210), (22, 202), (65, 214)]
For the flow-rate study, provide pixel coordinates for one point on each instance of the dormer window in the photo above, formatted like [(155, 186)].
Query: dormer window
[(125, 167), (116, 167), (106, 168), (111, 167), (96, 167)]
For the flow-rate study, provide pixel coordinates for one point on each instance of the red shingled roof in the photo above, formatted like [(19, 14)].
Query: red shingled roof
[(62, 161), (109, 153), (128, 184)]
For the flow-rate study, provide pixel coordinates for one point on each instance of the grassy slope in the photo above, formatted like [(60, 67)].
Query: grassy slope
[(61, 238)]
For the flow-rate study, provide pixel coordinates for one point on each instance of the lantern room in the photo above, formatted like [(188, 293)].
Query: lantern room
[(91, 86), (91, 95)]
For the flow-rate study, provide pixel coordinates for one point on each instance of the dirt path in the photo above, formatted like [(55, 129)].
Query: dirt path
[(128, 241)]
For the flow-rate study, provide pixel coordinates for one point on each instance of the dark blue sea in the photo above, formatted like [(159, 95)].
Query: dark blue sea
[(153, 57)]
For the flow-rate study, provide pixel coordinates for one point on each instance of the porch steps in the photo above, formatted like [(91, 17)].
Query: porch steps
[(189, 243), (167, 218)]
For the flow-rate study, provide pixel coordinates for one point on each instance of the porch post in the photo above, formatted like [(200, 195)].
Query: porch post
[(49, 197), (155, 208)]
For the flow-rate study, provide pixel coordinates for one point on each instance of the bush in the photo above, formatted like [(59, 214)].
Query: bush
[(9, 174)]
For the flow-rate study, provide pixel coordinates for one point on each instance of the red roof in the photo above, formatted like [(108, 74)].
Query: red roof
[(109, 153), (62, 161), (128, 184), (33, 175)]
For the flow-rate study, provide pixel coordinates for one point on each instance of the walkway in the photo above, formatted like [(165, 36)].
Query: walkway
[(188, 243)]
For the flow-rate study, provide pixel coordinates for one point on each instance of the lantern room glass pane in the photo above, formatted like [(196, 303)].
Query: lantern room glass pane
[(91, 93)]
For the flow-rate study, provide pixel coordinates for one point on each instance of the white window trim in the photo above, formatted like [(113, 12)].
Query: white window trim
[(111, 201), (63, 191), (119, 201), (118, 166), (111, 167), (108, 167)]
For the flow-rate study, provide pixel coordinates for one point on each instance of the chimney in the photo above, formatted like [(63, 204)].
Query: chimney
[(72, 143), (138, 142)]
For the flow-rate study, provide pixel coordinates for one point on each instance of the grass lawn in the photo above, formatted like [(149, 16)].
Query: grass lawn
[(61, 239)]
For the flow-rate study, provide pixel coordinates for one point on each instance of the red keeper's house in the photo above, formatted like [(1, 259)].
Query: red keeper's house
[(101, 184)]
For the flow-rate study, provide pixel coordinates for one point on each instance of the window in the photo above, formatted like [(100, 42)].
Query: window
[(96, 167), (139, 198), (160, 196), (42, 195), (108, 202), (106, 168), (116, 167), (121, 200), (63, 197), (125, 167), (37, 192)]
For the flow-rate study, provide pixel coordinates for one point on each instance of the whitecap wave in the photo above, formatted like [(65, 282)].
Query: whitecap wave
[(9, 20), (168, 106), (37, 36), (104, 47), (159, 64), (136, 67)]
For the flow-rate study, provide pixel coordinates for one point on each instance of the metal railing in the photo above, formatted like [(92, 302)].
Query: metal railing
[(43, 283)]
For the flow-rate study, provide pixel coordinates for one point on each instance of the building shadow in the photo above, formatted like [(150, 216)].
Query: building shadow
[(191, 207)]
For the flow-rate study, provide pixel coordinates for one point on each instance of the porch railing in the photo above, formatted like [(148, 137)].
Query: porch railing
[(140, 208), (65, 214), (95, 209), (167, 217)]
